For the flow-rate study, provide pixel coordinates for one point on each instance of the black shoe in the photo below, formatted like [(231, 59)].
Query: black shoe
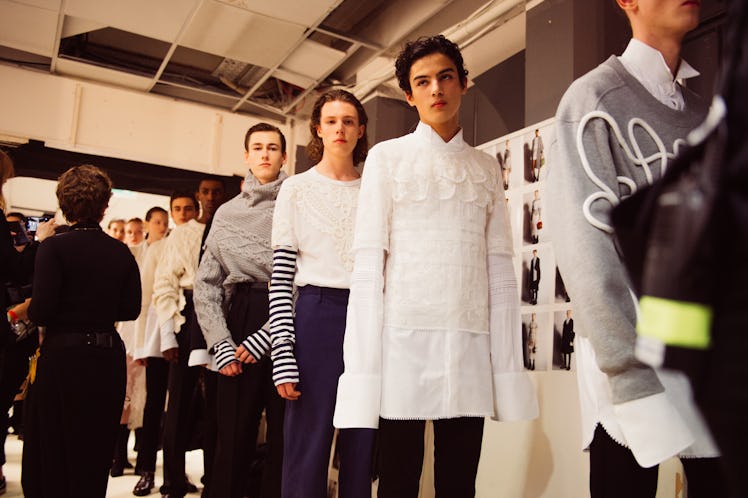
[(145, 484), (128, 465), (117, 469), (191, 488)]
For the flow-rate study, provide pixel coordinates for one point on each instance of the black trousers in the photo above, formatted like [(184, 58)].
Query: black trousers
[(156, 379), (71, 420), (614, 473), (210, 428), (240, 402), (15, 367), (457, 447), (178, 420)]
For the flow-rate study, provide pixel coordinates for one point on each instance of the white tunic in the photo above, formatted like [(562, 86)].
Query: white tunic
[(442, 337)]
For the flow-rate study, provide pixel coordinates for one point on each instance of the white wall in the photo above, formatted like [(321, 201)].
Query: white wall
[(34, 196), (97, 119)]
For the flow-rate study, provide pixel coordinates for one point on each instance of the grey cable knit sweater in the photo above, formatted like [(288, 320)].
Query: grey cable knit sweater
[(237, 250)]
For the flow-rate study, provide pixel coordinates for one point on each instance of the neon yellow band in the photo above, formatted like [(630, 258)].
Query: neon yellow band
[(675, 323)]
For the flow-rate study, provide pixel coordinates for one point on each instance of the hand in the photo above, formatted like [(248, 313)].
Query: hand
[(288, 391), (171, 355), (45, 229), (143, 362), (231, 370), (22, 310), (243, 355)]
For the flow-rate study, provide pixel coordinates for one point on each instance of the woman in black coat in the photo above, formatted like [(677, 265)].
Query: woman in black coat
[(84, 282)]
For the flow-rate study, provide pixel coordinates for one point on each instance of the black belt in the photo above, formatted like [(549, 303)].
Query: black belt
[(106, 340), (251, 286)]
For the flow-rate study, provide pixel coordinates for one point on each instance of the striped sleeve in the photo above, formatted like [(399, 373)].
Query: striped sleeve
[(224, 353), (282, 332), (258, 343)]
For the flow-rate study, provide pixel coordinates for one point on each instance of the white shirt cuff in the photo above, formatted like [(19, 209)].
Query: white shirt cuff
[(199, 358), (358, 401), (653, 428), (514, 397)]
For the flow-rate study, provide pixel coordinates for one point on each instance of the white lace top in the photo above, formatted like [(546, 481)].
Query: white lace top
[(314, 215), (433, 330)]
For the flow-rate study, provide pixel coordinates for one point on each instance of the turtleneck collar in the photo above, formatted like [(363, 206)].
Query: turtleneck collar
[(255, 192)]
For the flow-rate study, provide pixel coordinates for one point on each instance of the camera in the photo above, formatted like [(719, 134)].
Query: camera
[(17, 233), (32, 222)]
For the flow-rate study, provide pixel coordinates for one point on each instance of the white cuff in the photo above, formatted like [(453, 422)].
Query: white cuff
[(653, 428), (168, 336), (358, 402), (514, 397), (199, 358)]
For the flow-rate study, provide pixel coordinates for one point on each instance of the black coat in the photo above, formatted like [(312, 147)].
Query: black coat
[(9, 272), (84, 280)]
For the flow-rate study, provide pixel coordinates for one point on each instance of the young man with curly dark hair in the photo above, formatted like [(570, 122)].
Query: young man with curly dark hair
[(443, 340)]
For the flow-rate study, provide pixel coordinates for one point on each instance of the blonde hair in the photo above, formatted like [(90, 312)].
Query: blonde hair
[(6, 172)]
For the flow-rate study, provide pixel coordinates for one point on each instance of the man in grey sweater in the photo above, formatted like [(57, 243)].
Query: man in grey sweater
[(231, 302), (617, 128)]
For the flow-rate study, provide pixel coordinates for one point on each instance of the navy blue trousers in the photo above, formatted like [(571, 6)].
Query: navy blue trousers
[(308, 430)]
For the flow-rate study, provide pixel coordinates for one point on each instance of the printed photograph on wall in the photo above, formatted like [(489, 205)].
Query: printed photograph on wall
[(504, 157), (534, 157), (533, 217), (563, 340), (535, 340), (531, 277)]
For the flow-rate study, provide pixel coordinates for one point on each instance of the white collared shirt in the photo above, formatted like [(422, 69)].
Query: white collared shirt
[(648, 66)]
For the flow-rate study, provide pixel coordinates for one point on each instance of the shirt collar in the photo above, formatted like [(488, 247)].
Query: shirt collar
[(646, 60), (428, 134)]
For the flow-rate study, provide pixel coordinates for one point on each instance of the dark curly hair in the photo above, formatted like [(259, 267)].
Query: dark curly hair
[(315, 147), (265, 127), (420, 48), (83, 193)]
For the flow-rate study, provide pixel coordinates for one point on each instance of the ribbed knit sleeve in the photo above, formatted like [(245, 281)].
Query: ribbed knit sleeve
[(281, 317)]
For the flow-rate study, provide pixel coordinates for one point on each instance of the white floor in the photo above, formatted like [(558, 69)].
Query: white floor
[(119, 487)]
